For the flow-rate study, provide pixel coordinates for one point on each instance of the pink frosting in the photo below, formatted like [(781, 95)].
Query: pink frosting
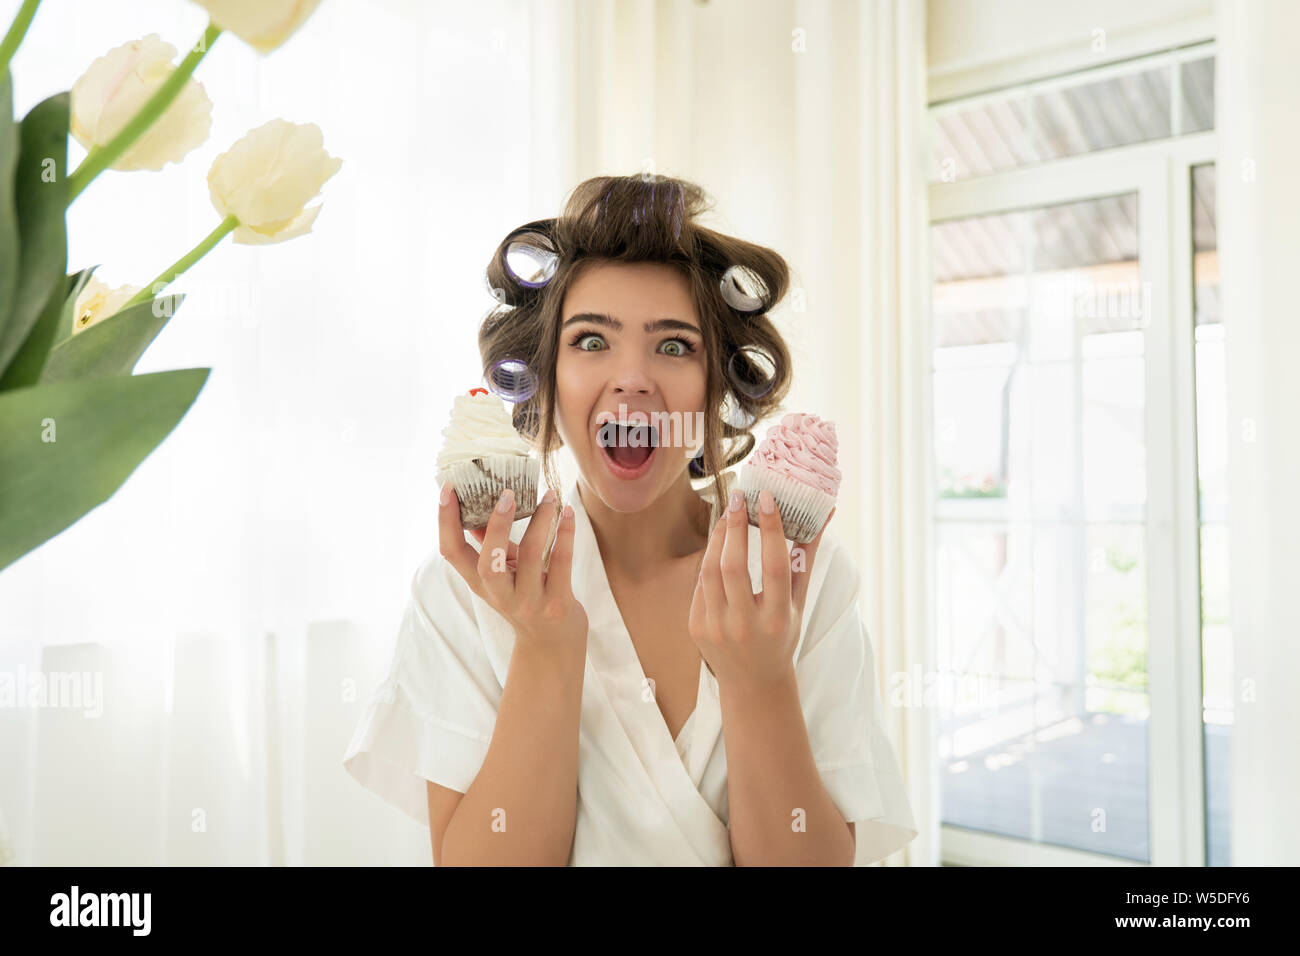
[(804, 448)]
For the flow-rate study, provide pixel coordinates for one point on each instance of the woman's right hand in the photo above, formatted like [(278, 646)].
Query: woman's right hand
[(510, 578)]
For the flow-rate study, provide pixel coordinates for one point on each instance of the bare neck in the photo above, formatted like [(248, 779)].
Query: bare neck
[(640, 544)]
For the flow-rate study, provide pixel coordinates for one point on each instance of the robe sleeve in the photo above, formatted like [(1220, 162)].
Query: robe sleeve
[(431, 719), (837, 688)]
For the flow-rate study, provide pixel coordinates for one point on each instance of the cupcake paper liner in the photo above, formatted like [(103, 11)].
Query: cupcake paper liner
[(803, 508), (479, 483)]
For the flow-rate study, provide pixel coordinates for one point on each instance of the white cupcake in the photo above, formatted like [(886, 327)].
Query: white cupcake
[(483, 455)]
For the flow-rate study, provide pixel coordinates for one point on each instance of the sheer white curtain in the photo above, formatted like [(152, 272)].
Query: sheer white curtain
[(805, 120), (238, 598), (241, 594), (1258, 203)]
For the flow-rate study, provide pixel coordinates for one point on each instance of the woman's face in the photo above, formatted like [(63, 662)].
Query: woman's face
[(608, 358)]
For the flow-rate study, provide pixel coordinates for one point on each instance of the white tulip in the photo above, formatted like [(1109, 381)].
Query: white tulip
[(266, 178), (112, 91), (97, 301), (262, 24)]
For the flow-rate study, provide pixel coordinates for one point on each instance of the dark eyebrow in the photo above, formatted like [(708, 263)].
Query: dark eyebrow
[(609, 321)]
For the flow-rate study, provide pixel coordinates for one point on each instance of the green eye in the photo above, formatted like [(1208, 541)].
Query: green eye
[(683, 346)]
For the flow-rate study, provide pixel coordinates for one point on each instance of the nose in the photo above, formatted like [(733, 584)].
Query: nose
[(631, 378)]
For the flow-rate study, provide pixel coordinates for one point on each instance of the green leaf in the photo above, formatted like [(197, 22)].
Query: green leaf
[(40, 200), (111, 346), (8, 218), (26, 367), (67, 446)]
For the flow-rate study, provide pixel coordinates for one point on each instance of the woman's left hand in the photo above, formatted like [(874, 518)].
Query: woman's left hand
[(747, 639)]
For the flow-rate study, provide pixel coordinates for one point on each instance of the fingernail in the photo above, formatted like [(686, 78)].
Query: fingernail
[(568, 512), (507, 499), (445, 496), (737, 500), (549, 496), (766, 502)]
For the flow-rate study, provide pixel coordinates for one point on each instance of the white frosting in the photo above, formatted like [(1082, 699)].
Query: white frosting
[(480, 426)]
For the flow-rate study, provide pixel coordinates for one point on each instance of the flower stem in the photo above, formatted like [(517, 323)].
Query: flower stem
[(101, 157), (169, 275), (17, 30)]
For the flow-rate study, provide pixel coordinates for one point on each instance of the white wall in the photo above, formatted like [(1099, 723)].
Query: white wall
[(983, 43)]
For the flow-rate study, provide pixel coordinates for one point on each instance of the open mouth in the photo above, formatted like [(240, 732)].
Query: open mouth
[(628, 447)]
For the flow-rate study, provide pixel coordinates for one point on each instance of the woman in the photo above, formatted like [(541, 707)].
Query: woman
[(632, 679)]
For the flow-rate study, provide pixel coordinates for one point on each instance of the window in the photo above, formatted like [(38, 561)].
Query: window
[(1139, 101), (1072, 413)]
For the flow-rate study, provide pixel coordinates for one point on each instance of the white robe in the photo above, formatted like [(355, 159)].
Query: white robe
[(643, 798)]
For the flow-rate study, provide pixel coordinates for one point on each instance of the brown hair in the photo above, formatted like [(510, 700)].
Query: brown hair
[(644, 219)]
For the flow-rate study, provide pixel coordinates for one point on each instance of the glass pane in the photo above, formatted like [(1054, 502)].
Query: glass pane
[(985, 653), (1068, 116), (1040, 506), (978, 248), (971, 431), (1211, 454), (982, 139), (1116, 112), (1218, 684), (1085, 281), (1198, 95), (1114, 435), (1211, 425)]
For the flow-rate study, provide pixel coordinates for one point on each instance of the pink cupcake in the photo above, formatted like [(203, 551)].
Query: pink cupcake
[(796, 462)]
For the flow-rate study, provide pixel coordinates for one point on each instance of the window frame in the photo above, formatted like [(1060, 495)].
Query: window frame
[(1160, 173)]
